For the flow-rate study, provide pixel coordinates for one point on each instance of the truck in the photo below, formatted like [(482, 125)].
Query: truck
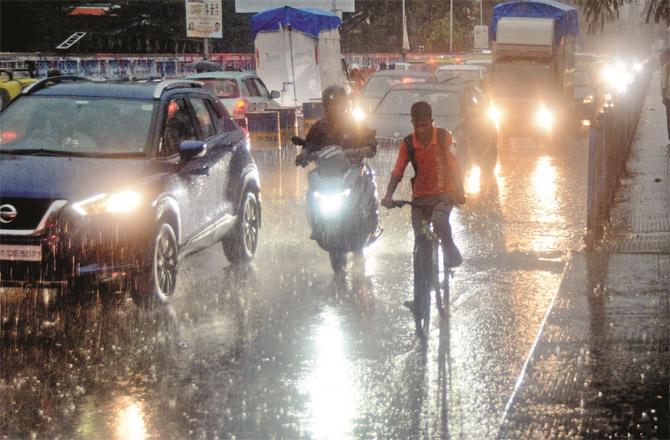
[(531, 81), (298, 52)]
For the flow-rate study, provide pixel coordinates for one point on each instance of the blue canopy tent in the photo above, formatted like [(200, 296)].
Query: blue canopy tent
[(307, 20), (565, 16)]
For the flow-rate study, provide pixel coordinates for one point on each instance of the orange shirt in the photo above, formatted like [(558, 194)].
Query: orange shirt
[(431, 178)]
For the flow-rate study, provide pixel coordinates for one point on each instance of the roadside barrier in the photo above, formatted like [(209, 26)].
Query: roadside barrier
[(288, 125), (241, 121), (264, 130), (610, 139), (312, 112)]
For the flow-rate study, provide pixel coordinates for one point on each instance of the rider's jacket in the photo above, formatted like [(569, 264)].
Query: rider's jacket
[(347, 135)]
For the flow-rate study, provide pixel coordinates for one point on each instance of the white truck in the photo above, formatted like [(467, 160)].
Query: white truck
[(532, 73), (298, 52)]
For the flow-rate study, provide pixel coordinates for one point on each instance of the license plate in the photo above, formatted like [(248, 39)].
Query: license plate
[(18, 252)]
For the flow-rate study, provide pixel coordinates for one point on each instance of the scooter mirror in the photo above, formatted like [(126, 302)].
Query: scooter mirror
[(298, 141)]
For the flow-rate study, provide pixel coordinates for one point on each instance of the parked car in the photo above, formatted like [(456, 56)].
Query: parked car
[(240, 92), (12, 81), (457, 106), (114, 183), (380, 82)]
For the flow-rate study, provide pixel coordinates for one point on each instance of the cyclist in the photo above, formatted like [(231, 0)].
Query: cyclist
[(436, 187)]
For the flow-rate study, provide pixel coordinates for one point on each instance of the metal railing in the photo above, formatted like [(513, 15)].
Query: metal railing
[(610, 138)]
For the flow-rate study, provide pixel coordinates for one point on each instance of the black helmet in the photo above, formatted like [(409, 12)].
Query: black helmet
[(332, 94)]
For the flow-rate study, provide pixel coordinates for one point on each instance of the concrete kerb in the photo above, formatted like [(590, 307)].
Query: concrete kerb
[(566, 277)]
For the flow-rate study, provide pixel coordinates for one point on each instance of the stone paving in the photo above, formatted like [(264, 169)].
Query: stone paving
[(600, 367)]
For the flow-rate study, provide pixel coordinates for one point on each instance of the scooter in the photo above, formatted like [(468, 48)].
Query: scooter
[(342, 202)]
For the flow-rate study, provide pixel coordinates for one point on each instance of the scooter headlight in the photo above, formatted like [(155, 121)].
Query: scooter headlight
[(331, 203)]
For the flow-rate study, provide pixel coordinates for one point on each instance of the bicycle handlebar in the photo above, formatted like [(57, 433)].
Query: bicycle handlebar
[(401, 203)]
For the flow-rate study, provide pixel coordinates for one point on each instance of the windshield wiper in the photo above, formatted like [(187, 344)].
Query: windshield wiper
[(35, 152), (46, 152)]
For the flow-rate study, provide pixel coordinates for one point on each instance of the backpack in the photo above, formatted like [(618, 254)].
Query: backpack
[(453, 169)]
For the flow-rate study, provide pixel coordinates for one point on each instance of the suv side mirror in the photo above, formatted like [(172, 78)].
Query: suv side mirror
[(191, 148), (275, 94)]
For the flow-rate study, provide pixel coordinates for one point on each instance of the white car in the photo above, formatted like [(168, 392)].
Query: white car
[(470, 72), (240, 92)]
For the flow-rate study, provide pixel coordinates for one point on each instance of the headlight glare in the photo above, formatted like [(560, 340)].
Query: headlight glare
[(495, 116), (331, 203), (544, 119), (358, 114), (116, 203), (588, 99)]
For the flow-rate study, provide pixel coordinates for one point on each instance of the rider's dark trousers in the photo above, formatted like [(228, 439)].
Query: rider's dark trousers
[(424, 210)]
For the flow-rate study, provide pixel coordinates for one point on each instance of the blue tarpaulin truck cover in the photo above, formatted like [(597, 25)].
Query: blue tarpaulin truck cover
[(307, 20), (564, 15)]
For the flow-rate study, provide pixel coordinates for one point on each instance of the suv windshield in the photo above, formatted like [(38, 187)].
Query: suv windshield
[(78, 126), (399, 102)]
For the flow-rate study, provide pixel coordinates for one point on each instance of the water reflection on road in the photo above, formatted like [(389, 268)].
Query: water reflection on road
[(280, 349)]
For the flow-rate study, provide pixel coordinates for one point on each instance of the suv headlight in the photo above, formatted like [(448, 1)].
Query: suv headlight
[(544, 118), (115, 203), (331, 203)]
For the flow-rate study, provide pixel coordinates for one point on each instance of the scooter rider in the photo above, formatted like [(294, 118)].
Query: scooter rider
[(436, 188), (338, 127)]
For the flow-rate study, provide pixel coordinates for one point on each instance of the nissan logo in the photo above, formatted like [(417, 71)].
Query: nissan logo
[(7, 213)]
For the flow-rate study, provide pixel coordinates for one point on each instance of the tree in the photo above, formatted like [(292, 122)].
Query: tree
[(378, 25), (599, 12)]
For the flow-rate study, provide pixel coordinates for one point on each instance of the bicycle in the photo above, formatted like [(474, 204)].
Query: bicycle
[(421, 311)]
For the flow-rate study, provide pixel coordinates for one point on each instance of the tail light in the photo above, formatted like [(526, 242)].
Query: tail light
[(8, 136), (240, 108)]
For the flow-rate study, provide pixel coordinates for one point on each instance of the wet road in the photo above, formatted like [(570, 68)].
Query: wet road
[(278, 350)]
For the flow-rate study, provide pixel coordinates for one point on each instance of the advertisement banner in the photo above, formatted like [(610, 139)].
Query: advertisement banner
[(203, 19)]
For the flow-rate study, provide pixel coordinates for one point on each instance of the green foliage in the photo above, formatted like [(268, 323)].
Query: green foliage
[(599, 12)]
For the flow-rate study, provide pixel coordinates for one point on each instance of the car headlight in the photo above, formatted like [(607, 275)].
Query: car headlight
[(358, 114), (495, 116), (116, 203), (544, 118), (331, 203), (588, 99)]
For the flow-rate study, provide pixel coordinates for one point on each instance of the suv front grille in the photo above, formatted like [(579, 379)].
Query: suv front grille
[(29, 212)]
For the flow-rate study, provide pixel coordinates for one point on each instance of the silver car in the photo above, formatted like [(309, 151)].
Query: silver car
[(239, 92), (457, 106), (380, 82)]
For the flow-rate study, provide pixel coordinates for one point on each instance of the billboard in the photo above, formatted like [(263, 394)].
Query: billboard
[(203, 19), (246, 6)]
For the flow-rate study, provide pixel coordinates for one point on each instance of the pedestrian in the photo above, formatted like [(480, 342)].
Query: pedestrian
[(437, 186), (665, 85)]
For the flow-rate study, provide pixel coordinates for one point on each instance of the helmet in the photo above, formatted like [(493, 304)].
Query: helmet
[(333, 94)]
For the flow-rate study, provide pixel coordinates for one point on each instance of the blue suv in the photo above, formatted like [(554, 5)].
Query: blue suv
[(108, 183)]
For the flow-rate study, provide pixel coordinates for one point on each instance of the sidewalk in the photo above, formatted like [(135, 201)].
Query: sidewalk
[(600, 367)]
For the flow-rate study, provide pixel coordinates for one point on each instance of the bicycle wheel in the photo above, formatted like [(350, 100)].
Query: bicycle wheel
[(422, 315), (436, 277)]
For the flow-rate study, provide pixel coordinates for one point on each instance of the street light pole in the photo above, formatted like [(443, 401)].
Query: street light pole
[(451, 26), (481, 12), (405, 37)]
